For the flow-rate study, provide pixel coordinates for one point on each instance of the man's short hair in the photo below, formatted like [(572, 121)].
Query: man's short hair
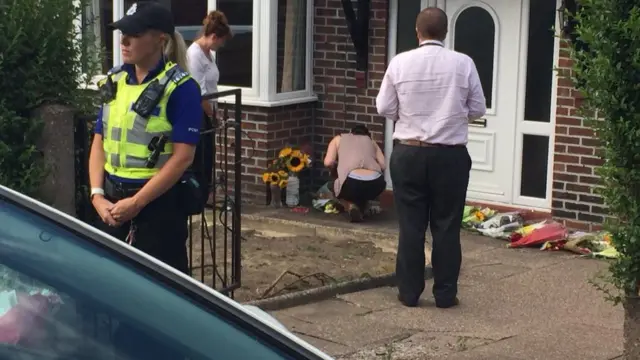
[(432, 23)]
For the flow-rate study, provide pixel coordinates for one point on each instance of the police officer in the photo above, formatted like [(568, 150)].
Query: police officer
[(145, 138)]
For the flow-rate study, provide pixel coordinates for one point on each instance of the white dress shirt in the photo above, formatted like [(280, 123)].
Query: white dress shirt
[(432, 93)]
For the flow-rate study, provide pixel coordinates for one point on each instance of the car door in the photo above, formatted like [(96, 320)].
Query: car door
[(69, 292)]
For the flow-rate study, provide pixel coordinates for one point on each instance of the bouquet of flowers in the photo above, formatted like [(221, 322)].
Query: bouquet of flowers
[(290, 161)]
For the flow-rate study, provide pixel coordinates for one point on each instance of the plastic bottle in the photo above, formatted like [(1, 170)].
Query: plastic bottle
[(293, 191)]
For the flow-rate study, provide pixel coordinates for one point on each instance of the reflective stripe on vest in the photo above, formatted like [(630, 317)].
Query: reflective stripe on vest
[(127, 135)]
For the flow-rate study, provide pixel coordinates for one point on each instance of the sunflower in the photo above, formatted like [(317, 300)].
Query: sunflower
[(283, 174), (283, 184), (285, 152), (296, 162), (306, 159), (266, 177), (274, 178)]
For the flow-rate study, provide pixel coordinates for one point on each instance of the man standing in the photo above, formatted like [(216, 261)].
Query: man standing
[(431, 93)]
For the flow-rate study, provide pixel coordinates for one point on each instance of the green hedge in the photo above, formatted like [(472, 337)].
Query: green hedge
[(44, 52), (609, 77)]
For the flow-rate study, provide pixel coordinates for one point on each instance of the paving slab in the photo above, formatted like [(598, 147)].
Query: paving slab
[(553, 343), (351, 331), (374, 300), (474, 243), (532, 258), (475, 272), (563, 290), (329, 347), (322, 310), (421, 346)]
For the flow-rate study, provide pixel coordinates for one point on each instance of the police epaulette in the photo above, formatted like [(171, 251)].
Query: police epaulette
[(177, 74), (114, 70)]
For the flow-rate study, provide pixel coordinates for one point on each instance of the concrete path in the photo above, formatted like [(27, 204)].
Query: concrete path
[(516, 305)]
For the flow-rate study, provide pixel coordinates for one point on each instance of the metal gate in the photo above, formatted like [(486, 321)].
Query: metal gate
[(215, 235)]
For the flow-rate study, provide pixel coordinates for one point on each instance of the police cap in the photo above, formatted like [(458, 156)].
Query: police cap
[(143, 16)]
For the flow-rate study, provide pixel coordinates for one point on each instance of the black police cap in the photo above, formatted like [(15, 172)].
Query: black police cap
[(143, 16)]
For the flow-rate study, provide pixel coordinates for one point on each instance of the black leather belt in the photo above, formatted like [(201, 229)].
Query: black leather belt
[(419, 143), (119, 190)]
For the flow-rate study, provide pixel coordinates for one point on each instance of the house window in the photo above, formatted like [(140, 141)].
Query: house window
[(269, 56), (540, 67), (475, 35), (406, 37), (292, 44), (235, 58)]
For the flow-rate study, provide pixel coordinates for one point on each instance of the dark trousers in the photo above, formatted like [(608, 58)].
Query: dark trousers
[(161, 230), (429, 188), (202, 166), (360, 192)]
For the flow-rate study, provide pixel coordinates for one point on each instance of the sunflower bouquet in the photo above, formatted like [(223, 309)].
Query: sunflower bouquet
[(289, 161)]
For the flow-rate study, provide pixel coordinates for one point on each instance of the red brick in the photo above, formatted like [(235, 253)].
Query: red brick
[(567, 159), (579, 169), (580, 131), (593, 161)]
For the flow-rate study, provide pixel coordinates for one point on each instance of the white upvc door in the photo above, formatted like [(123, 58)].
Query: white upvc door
[(490, 32)]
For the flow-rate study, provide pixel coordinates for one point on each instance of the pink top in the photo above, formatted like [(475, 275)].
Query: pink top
[(431, 93), (355, 152)]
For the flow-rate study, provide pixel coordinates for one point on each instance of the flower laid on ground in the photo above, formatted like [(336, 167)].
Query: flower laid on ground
[(290, 160)]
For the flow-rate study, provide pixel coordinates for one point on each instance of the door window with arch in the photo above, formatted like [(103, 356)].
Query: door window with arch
[(475, 33)]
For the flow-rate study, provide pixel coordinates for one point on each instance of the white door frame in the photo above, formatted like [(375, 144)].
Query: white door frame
[(522, 126), (392, 34), (535, 127)]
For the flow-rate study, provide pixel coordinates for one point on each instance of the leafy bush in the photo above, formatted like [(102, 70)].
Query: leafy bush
[(44, 52), (608, 73)]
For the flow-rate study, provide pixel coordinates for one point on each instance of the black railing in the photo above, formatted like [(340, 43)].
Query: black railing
[(214, 255)]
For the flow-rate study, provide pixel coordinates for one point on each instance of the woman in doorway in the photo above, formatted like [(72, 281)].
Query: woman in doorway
[(202, 66), (359, 164)]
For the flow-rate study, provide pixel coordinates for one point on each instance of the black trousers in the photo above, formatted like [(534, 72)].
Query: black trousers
[(202, 166), (360, 192), (429, 187), (161, 230)]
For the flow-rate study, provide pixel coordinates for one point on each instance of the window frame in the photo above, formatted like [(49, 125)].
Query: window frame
[(216, 303), (263, 91)]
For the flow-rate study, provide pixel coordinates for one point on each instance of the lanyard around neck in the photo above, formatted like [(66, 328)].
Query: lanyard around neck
[(431, 44)]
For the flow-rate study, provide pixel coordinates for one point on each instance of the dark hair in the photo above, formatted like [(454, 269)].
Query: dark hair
[(216, 23), (360, 130), (432, 23)]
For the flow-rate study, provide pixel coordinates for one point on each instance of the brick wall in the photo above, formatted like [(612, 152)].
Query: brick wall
[(342, 103), (576, 157), (265, 132)]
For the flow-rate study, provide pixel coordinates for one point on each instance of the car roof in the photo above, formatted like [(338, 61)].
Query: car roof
[(248, 315)]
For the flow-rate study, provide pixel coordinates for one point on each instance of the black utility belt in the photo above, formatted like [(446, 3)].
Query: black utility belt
[(192, 198), (119, 190)]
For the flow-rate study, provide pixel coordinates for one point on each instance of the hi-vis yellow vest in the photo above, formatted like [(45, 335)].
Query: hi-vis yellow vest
[(127, 135)]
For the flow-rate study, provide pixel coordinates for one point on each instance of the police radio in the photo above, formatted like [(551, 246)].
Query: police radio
[(156, 146), (108, 90), (149, 99)]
